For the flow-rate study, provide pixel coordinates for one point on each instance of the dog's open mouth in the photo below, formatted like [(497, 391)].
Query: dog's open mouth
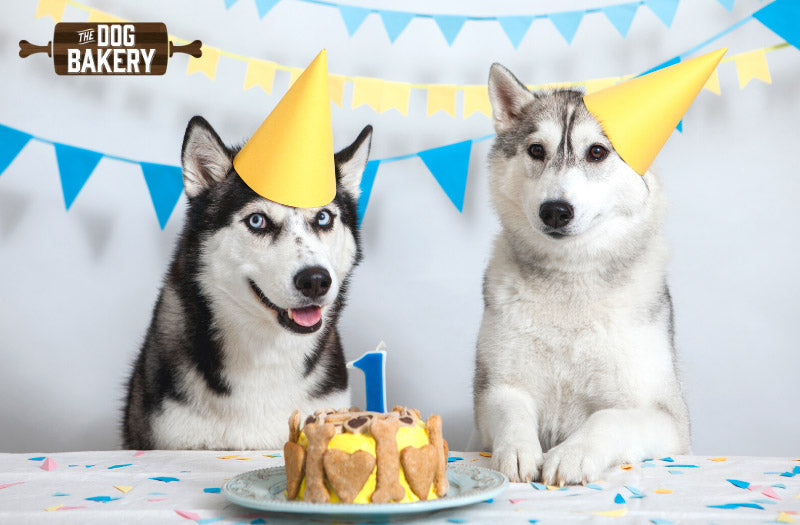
[(303, 320)]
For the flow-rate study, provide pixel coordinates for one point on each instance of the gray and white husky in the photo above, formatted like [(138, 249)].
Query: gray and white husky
[(575, 366), (244, 330)]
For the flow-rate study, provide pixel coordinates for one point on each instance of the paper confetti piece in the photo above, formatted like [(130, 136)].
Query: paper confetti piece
[(675, 472), (153, 500), (668, 459), (11, 484), (138, 453), (765, 501), (718, 459), (539, 486), (60, 494), (71, 508), (242, 459), (485, 454), (271, 455), (779, 485), (457, 520), (755, 488), (646, 465), (736, 506), (626, 466), (37, 458), (619, 499), (89, 466), (258, 521), (593, 486), (189, 515), (796, 470), (120, 466), (738, 483), (165, 479), (612, 513), (770, 493), (227, 457), (212, 490), (123, 488), (102, 499), (49, 464), (453, 458), (54, 507), (663, 491), (784, 517), (684, 466), (515, 501), (787, 474), (212, 520), (636, 492), (660, 521)]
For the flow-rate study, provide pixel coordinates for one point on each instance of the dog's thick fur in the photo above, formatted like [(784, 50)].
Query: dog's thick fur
[(225, 361), (575, 368)]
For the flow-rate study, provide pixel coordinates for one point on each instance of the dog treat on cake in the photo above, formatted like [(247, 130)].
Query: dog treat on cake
[(351, 456)]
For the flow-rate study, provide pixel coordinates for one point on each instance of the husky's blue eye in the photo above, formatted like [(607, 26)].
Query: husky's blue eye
[(324, 219), (257, 221)]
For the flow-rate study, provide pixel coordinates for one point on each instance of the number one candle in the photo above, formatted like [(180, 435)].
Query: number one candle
[(373, 364)]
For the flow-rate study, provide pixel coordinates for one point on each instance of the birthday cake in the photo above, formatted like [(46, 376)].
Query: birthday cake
[(351, 456)]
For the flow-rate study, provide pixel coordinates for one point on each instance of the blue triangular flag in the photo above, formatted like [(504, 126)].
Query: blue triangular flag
[(782, 17), (367, 180), (727, 4), (450, 26), (353, 17), (679, 127), (229, 3), (264, 6), (664, 9), (515, 27), (450, 167), (11, 143), (165, 184), (621, 16), (75, 166), (567, 23), (395, 22)]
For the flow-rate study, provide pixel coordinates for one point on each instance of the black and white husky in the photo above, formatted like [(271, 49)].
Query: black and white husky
[(244, 330), (575, 367)]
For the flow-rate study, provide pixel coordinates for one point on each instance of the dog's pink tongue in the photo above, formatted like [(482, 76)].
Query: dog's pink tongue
[(308, 316)]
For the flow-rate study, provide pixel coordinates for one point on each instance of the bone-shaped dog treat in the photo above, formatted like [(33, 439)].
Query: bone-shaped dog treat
[(294, 426), (434, 427), (387, 486), (319, 435)]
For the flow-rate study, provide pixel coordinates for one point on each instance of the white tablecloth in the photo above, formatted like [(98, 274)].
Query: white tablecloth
[(183, 487)]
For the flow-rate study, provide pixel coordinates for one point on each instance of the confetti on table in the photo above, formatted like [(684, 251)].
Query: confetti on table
[(37, 458), (770, 493), (457, 520), (635, 492), (271, 455), (739, 483), (138, 453), (258, 521), (212, 520), (539, 486), (49, 464), (11, 484), (71, 508), (784, 517), (54, 507), (619, 499), (515, 501), (660, 521), (189, 515), (626, 466), (228, 457), (120, 466), (612, 513), (485, 454), (102, 499), (668, 459), (675, 472), (154, 500), (165, 479), (779, 486), (212, 490), (593, 486), (684, 466), (453, 458), (718, 459), (736, 506), (123, 488), (765, 501), (662, 491)]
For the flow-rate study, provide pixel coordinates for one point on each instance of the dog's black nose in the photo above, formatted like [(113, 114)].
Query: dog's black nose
[(312, 282), (556, 214)]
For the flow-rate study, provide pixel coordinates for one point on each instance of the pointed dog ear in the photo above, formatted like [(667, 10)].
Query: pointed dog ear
[(351, 161), (204, 157), (508, 97)]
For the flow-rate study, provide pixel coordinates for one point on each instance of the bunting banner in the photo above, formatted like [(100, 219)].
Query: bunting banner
[(781, 16)]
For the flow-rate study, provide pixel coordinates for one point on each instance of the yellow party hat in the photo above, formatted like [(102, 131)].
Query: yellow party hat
[(639, 115), (289, 159)]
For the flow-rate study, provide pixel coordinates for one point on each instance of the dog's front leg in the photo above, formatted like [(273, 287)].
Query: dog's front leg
[(509, 422), (613, 436)]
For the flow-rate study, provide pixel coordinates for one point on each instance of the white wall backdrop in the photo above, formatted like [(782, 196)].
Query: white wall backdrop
[(77, 287)]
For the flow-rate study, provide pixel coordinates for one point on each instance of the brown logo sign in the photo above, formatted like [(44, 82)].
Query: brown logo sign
[(134, 48)]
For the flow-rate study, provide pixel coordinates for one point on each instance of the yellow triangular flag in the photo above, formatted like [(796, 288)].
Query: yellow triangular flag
[(638, 116), (442, 98), (289, 159), (597, 84), (394, 95), (294, 74), (100, 16), (52, 8), (260, 73), (752, 65), (206, 64), (367, 91), (336, 88), (123, 488), (612, 513), (713, 83), (476, 100)]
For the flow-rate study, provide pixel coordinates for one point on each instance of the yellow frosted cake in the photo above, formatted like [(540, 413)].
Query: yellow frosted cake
[(351, 456)]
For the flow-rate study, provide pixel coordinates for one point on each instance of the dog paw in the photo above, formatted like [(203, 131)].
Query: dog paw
[(570, 464), (520, 461)]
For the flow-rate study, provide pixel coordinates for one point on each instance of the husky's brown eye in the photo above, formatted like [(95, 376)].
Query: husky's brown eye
[(596, 153), (536, 151)]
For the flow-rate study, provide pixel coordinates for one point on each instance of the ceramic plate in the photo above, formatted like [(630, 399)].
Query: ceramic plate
[(264, 490)]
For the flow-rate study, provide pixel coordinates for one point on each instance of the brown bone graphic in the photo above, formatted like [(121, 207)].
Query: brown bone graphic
[(419, 466), (347, 473), (319, 435), (147, 36), (388, 487)]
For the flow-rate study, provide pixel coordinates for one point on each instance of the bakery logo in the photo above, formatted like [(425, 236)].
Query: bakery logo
[(90, 48)]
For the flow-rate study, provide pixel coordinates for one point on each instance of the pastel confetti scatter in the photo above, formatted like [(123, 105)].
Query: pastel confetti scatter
[(71, 508), (165, 479), (37, 458), (779, 485), (619, 499), (684, 466), (154, 500), (138, 453), (54, 507), (258, 521), (210, 520), (612, 513), (60, 494), (457, 520), (593, 486), (212, 490), (660, 521), (123, 488), (49, 464), (189, 515), (739, 483), (539, 486), (626, 466), (662, 491), (770, 493), (736, 506), (636, 492), (453, 458), (120, 466), (784, 517), (11, 484), (515, 501), (102, 499), (718, 459), (668, 459), (486, 454), (228, 457), (675, 472)]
